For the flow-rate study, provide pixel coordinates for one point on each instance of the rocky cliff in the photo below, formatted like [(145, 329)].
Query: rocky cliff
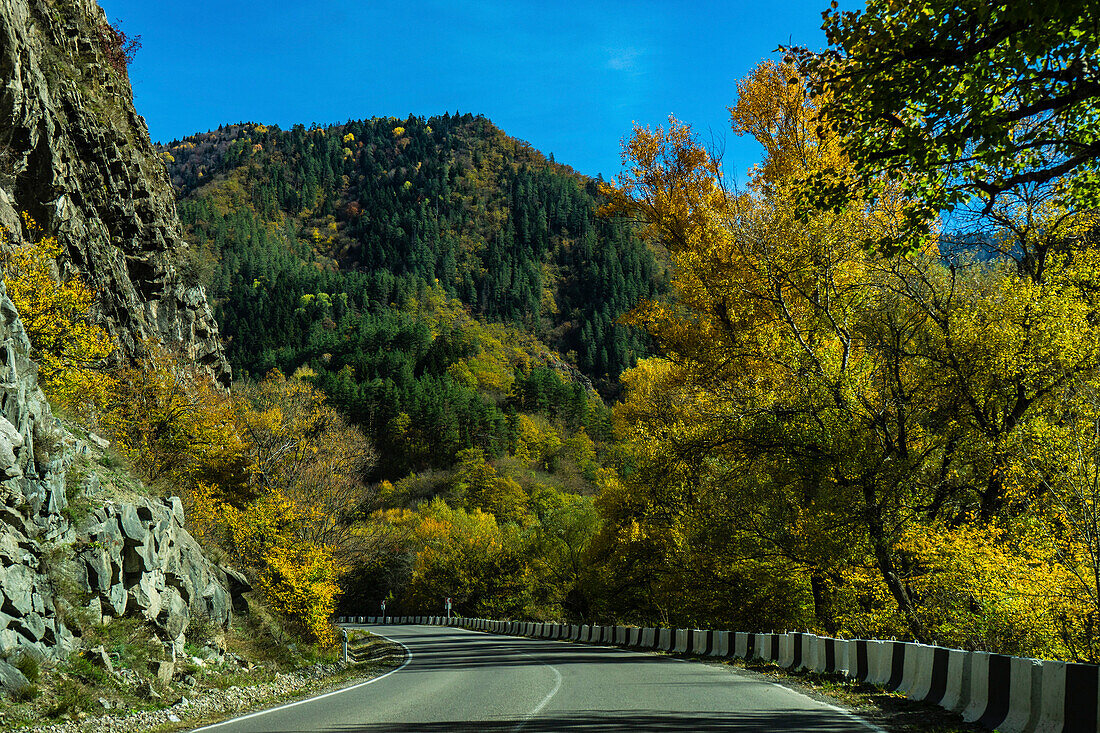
[(131, 558), (76, 156)]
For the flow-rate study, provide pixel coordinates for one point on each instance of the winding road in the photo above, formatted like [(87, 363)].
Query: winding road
[(459, 680)]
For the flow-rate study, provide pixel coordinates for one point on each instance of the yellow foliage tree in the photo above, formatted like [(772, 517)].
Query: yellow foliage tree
[(844, 402), (67, 345)]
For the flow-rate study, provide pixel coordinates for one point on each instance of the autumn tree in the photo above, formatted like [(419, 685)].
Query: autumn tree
[(68, 346), (838, 398), (302, 449), (957, 103)]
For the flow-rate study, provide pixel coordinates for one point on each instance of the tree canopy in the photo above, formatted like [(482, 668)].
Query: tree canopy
[(958, 103)]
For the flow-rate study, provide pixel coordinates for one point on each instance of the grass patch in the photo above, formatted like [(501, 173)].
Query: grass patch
[(131, 642)]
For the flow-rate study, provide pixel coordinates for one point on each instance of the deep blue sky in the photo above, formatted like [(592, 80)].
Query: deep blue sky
[(570, 78)]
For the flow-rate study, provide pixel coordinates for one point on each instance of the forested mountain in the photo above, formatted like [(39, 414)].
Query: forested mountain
[(392, 206), (377, 252)]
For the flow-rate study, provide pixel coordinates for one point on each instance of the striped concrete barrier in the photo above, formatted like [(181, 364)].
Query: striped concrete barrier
[(929, 676), (990, 679), (767, 647), (721, 645), (801, 650), (761, 646), (1011, 694), (837, 655), (1025, 686), (916, 668), (953, 692), (878, 662), (1070, 696), (895, 651), (814, 659), (859, 662), (795, 650), (741, 644), (786, 650), (1052, 713)]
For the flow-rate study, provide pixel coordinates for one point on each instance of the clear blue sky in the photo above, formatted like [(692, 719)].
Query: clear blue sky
[(568, 77)]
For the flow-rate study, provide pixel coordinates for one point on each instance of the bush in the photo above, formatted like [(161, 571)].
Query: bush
[(29, 665)]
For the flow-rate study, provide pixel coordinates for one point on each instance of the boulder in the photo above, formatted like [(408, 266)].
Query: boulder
[(11, 679), (99, 657)]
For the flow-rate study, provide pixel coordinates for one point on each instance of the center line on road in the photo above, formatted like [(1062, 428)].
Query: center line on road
[(546, 700)]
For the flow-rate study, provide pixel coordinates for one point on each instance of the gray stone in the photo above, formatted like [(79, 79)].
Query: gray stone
[(17, 584), (132, 527), (10, 440), (116, 599), (164, 671), (145, 597), (11, 679), (100, 658), (35, 626), (175, 616), (147, 691)]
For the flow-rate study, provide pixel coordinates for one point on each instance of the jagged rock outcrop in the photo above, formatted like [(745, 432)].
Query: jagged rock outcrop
[(128, 558), (33, 460), (76, 156), (138, 559)]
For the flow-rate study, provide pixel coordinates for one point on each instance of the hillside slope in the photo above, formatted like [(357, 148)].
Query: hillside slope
[(399, 205)]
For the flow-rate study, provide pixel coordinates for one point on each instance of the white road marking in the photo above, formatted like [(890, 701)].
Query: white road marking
[(546, 700), (408, 658)]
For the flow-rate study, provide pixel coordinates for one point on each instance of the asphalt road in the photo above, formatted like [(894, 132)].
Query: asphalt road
[(458, 680)]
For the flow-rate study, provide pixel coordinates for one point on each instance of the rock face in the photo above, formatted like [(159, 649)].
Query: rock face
[(76, 156), (128, 559), (138, 559), (33, 460)]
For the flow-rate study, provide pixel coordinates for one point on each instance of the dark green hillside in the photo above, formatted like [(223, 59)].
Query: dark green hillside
[(396, 205), (425, 270)]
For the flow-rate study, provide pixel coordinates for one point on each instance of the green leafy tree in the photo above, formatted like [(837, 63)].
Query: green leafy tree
[(958, 102)]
